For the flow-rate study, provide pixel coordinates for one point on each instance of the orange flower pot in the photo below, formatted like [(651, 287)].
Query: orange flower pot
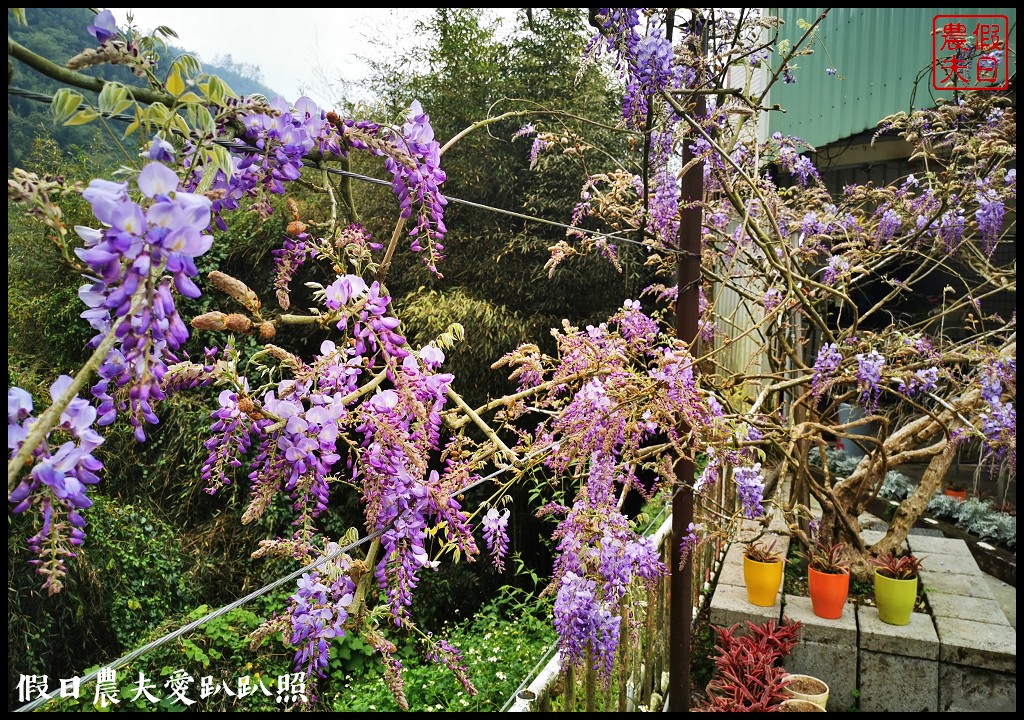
[(828, 592), (763, 581), (960, 495)]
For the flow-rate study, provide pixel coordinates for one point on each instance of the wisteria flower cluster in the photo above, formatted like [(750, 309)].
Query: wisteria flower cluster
[(319, 609), (144, 253), (599, 558), (57, 484)]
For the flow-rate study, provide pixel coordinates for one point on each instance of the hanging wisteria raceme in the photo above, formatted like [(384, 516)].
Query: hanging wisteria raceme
[(869, 379), (599, 557), (230, 440), (57, 484), (828, 361), (319, 609), (129, 262), (420, 182), (999, 416), (750, 486), (496, 536)]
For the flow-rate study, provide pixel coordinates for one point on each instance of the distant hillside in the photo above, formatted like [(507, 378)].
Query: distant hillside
[(60, 33)]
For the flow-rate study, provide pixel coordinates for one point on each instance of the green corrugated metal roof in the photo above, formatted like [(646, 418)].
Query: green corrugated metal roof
[(882, 54)]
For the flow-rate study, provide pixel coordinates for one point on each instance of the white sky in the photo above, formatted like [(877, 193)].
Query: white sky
[(300, 51)]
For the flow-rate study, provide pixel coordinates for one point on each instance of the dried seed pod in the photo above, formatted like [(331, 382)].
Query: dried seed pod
[(296, 228), (267, 330), (236, 290), (238, 323), (283, 356), (210, 321)]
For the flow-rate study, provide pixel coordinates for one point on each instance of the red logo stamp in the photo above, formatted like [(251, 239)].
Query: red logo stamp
[(969, 52)]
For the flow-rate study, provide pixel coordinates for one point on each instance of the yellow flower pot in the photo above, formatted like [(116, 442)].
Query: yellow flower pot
[(763, 581)]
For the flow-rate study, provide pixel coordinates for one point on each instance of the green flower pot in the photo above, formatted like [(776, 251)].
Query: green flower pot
[(895, 599)]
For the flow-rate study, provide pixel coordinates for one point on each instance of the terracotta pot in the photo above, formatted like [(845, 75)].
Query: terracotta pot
[(796, 705), (807, 687), (895, 599), (763, 581), (960, 495), (828, 592)]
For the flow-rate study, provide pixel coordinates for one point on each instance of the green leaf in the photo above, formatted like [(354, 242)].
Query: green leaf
[(221, 160), (190, 98), (189, 65), (64, 104), (86, 115), (199, 118), (175, 85), (114, 99), (213, 88), (19, 16), (135, 124)]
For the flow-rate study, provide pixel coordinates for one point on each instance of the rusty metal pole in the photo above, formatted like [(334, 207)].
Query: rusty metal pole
[(688, 276)]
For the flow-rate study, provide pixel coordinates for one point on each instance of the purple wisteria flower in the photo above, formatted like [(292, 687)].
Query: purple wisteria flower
[(923, 380), (772, 299), (58, 481), (999, 418), (159, 150), (431, 356), (599, 559), (828, 361), (951, 229), (496, 536), (288, 258), (103, 26), (417, 175), (889, 223), (690, 541), (318, 613), (526, 130), (792, 161), (229, 441), (750, 487), (837, 268), (869, 379), (129, 263), (990, 219)]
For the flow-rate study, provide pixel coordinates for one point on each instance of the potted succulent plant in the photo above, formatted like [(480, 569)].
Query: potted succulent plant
[(896, 581), (762, 572), (828, 578)]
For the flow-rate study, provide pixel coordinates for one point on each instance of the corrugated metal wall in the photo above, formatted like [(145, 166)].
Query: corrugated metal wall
[(734, 316), (884, 56)]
